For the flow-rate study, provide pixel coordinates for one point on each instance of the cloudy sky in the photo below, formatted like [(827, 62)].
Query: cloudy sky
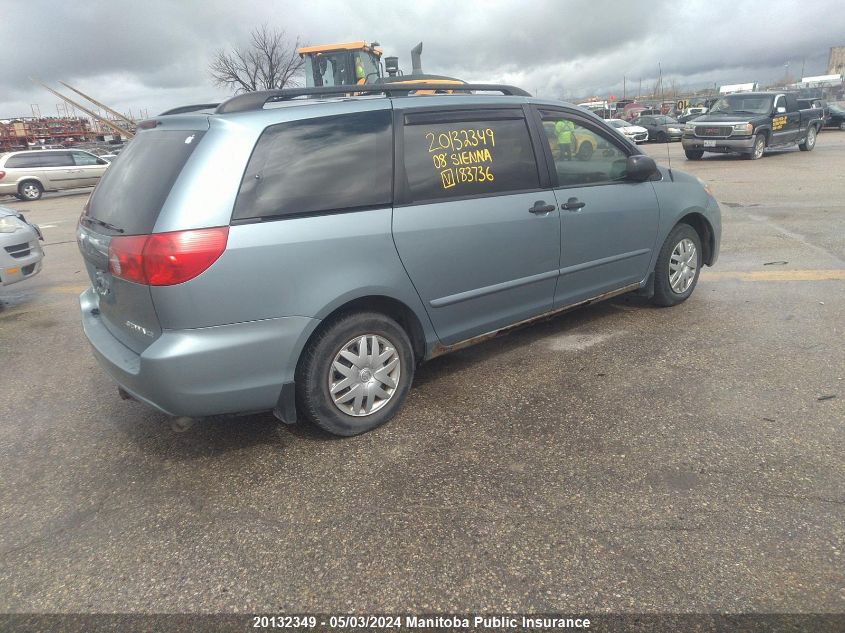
[(153, 55)]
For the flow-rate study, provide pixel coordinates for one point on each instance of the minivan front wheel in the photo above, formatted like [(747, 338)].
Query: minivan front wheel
[(678, 266), (355, 374), (30, 190)]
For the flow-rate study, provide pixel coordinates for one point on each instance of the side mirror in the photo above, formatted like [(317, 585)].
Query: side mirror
[(780, 110), (640, 168)]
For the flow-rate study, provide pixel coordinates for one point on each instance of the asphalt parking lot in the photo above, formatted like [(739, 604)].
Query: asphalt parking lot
[(618, 458)]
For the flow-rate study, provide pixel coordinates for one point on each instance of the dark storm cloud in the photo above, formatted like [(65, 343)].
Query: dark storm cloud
[(154, 54)]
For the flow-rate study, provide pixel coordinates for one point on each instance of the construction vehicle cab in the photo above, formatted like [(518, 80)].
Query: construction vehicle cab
[(357, 63), (341, 64)]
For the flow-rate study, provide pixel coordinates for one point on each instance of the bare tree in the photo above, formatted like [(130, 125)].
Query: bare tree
[(268, 61)]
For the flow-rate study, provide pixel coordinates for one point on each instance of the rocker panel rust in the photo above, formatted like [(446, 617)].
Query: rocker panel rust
[(439, 349)]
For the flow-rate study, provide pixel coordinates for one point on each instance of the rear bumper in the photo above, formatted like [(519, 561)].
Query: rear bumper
[(233, 368), (8, 188), (721, 145)]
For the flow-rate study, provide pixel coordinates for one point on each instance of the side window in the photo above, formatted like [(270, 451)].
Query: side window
[(780, 102), (323, 164), (55, 159), (82, 158), (23, 161), (468, 157), (582, 155)]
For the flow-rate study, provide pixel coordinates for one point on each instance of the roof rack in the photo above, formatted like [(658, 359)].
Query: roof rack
[(190, 108), (256, 100)]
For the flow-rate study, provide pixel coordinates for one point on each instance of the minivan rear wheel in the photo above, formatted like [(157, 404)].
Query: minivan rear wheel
[(355, 373), (30, 190)]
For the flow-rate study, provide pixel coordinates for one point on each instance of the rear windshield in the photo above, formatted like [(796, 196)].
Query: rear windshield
[(133, 189)]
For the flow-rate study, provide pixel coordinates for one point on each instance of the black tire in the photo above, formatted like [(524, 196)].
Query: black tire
[(694, 154), (313, 397), (585, 151), (810, 141), (30, 190), (664, 294), (758, 147)]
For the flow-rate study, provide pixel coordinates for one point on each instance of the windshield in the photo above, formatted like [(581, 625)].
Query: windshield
[(744, 104), (619, 123), (329, 69), (837, 109)]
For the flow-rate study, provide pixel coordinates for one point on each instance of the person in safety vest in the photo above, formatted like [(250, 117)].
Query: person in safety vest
[(564, 129), (360, 75)]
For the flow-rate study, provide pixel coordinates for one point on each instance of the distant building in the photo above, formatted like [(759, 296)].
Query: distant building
[(836, 62), (731, 88)]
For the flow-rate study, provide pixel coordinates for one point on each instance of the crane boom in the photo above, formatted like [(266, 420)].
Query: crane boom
[(102, 120), (97, 103)]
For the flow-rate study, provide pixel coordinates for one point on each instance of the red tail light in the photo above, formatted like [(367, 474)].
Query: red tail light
[(165, 259), (2, 175)]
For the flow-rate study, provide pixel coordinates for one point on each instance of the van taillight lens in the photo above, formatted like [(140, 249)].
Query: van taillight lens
[(165, 259), (126, 258), (2, 175)]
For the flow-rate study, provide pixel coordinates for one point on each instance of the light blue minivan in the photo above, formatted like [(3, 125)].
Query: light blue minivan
[(302, 251)]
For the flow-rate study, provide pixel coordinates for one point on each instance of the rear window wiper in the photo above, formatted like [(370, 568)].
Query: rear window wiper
[(106, 225)]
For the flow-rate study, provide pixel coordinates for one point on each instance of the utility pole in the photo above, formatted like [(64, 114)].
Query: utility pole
[(624, 86)]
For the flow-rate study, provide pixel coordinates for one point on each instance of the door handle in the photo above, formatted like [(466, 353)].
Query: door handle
[(541, 207), (573, 204)]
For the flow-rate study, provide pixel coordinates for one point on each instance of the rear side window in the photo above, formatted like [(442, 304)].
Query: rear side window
[(315, 165), (133, 189), (55, 159), (469, 157), (23, 161)]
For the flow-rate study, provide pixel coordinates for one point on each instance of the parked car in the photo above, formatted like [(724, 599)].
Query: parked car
[(582, 145), (20, 252), (29, 174), (661, 128), (691, 113), (239, 262), (837, 117), (633, 133), (749, 122)]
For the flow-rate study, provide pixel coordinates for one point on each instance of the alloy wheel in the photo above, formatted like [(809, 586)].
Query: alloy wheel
[(30, 191), (759, 146), (811, 138)]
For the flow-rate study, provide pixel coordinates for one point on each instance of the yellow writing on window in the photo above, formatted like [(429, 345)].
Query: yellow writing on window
[(462, 156)]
